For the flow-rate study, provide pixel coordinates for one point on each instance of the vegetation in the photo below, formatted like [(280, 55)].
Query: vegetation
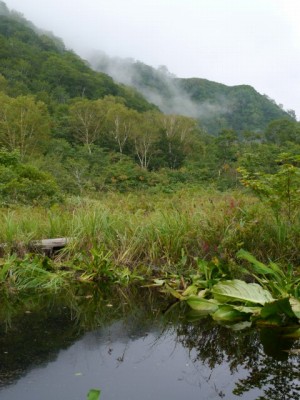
[(140, 194), (94, 394), (215, 105)]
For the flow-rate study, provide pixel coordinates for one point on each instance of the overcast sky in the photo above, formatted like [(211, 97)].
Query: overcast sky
[(255, 42)]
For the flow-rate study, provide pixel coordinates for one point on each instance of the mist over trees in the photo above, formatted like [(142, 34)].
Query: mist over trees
[(214, 105), (89, 134)]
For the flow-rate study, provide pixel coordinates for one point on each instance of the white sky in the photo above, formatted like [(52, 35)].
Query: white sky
[(255, 42)]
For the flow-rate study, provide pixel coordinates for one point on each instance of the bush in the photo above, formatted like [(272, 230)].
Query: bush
[(24, 184)]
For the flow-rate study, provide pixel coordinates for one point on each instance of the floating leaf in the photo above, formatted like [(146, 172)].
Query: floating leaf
[(240, 291), (94, 394), (203, 305)]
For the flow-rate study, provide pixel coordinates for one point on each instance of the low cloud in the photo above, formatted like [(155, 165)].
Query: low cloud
[(159, 86)]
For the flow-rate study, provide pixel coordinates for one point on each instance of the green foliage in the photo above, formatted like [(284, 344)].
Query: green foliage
[(24, 123), (214, 105), (279, 190), (32, 273), (240, 291), (235, 300), (94, 394), (53, 73), (282, 131), (21, 183), (281, 281)]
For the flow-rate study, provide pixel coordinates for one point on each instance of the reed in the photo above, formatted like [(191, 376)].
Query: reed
[(162, 231)]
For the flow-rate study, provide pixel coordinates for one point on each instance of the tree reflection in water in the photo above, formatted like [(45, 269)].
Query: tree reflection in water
[(257, 358), (263, 353)]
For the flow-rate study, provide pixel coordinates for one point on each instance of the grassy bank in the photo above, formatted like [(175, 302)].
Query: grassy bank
[(161, 231), (187, 243)]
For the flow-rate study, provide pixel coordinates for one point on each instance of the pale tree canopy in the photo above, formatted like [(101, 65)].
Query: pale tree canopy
[(24, 123)]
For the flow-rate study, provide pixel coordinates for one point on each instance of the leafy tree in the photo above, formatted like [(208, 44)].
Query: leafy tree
[(87, 120), (279, 190), (176, 138), (282, 131), (121, 124), (24, 123), (145, 139)]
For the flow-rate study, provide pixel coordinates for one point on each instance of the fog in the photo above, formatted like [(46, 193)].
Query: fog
[(253, 42)]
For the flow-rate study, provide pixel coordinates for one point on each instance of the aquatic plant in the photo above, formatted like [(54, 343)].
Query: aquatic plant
[(281, 281), (94, 394), (234, 300)]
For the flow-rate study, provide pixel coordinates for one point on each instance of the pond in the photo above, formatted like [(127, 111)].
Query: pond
[(132, 345)]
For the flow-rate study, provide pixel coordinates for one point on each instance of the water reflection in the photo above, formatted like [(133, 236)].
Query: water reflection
[(121, 342)]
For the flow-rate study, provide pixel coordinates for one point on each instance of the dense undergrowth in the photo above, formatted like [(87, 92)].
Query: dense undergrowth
[(162, 233)]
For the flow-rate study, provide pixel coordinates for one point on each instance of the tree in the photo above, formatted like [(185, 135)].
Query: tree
[(24, 123), (87, 119), (121, 123), (282, 131), (146, 137), (177, 136), (279, 190)]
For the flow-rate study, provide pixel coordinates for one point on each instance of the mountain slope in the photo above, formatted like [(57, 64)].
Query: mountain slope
[(215, 105), (33, 62)]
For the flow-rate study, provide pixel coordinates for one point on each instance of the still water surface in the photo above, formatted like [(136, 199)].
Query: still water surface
[(133, 350)]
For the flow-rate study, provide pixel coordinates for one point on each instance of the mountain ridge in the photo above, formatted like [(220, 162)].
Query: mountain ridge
[(215, 105)]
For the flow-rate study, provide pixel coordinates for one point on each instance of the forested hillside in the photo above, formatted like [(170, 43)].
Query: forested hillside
[(68, 130), (36, 62), (214, 105)]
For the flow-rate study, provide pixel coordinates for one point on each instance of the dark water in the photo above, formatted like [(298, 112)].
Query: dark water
[(128, 345)]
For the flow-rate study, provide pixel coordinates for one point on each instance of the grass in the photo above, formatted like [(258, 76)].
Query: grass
[(157, 231)]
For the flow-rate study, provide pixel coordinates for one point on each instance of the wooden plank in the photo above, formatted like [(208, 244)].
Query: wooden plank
[(49, 244)]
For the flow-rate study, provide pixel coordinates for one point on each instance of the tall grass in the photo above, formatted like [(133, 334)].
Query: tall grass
[(163, 231)]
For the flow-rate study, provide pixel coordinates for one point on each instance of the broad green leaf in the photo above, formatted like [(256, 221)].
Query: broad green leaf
[(228, 313), (192, 289), (202, 293), (277, 307), (203, 305), (94, 394), (295, 305), (240, 291), (248, 310)]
